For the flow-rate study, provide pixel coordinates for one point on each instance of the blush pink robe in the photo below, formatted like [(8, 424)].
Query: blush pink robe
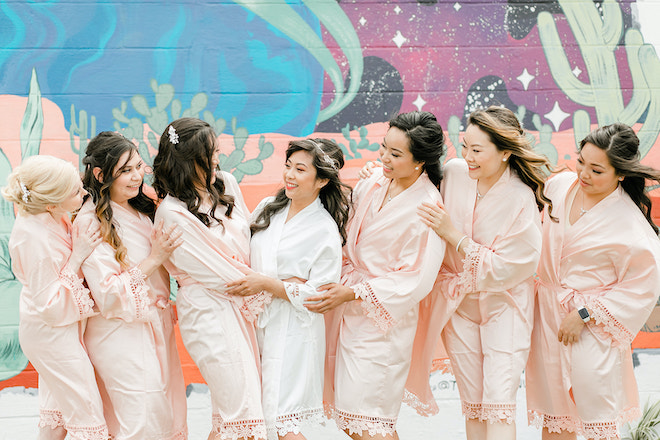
[(218, 330), (608, 261), (132, 343), (54, 308), (391, 260), (485, 300)]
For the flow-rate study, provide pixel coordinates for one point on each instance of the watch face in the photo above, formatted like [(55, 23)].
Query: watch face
[(583, 312)]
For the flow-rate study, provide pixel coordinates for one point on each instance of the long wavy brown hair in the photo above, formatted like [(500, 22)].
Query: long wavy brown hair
[(105, 152), (505, 132), (179, 165)]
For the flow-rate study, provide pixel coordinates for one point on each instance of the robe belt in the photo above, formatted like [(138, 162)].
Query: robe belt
[(565, 294)]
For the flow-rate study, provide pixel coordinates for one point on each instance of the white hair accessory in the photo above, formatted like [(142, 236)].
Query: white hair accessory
[(174, 138), (25, 191), (326, 158)]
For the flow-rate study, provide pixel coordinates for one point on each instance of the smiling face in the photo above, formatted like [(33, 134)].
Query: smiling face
[(597, 177), (398, 161), (129, 173), (485, 162), (301, 183)]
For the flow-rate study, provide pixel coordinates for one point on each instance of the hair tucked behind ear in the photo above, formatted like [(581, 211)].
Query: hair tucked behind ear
[(621, 145), (327, 159), (178, 166), (427, 141), (505, 131)]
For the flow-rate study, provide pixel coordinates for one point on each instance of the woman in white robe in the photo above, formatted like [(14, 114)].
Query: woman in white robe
[(295, 249)]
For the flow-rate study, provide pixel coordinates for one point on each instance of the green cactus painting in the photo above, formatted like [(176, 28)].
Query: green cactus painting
[(12, 359), (598, 37), (350, 150)]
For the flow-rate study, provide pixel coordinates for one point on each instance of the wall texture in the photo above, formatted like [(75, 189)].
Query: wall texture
[(265, 71)]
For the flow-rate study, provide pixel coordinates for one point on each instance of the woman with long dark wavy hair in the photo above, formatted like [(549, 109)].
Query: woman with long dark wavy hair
[(131, 343), (217, 329), (296, 248), (598, 283)]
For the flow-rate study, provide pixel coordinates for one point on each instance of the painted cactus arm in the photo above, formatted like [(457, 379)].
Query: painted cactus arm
[(641, 94)]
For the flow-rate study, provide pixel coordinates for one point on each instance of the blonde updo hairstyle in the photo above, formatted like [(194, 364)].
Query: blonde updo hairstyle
[(48, 181)]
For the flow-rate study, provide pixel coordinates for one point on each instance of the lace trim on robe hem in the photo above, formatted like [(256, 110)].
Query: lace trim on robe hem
[(140, 292), (620, 335), (181, 435), (608, 430), (50, 418), (356, 423), (80, 293), (238, 429), (423, 409), (373, 308), (254, 304), (468, 278), (292, 422), (490, 412)]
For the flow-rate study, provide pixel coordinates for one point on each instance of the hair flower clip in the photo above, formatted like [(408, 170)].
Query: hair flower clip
[(174, 138), (25, 191)]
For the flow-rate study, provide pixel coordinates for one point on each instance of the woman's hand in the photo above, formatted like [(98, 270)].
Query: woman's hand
[(436, 217), (251, 284), (164, 242), (368, 169), (84, 240), (333, 295), (570, 328)]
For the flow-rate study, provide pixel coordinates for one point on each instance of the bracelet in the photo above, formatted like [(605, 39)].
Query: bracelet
[(460, 241)]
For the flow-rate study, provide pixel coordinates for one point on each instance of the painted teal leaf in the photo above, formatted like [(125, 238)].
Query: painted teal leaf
[(265, 149), (33, 120), (234, 159), (141, 105), (198, 102), (164, 95), (12, 359), (175, 109), (238, 175), (251, 167), (6, 208), (240, 137)]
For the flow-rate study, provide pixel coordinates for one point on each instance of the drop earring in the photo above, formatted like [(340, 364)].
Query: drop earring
[(416, 168)]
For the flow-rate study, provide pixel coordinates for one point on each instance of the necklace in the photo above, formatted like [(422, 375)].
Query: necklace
[(479, 195), (582, 210)]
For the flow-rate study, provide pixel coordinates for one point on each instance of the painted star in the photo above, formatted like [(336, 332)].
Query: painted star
[(556, 116), (457, 6), (399, 39), (577, 71), (419, 102), (362, 21), (525, 78), (397, 10)]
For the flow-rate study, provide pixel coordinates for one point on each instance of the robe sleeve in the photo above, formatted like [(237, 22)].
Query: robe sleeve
[(206, 264), (118, 292), (386, 299), (325, 269), (58, 294), (511, 259), (622, 310)]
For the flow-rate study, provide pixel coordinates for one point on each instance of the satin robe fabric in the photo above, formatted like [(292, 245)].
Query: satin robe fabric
[(291, 338), (54, 308), (132, 343), (391, 260), (608, 261), (485, 300), (218, 330)]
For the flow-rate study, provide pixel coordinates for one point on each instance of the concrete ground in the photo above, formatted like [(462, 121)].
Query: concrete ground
[(19, 410)]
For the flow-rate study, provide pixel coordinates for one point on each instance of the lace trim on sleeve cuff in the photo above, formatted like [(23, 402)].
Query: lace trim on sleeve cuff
[(253, 305), (372, 307), (620, 335), (468, 279), (140, 292), (80, 293)]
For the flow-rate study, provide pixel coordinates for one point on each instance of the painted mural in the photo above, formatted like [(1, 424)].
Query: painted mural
[(264, 72)]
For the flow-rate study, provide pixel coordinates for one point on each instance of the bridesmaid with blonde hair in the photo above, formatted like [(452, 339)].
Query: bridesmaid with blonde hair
[(47, 253)]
